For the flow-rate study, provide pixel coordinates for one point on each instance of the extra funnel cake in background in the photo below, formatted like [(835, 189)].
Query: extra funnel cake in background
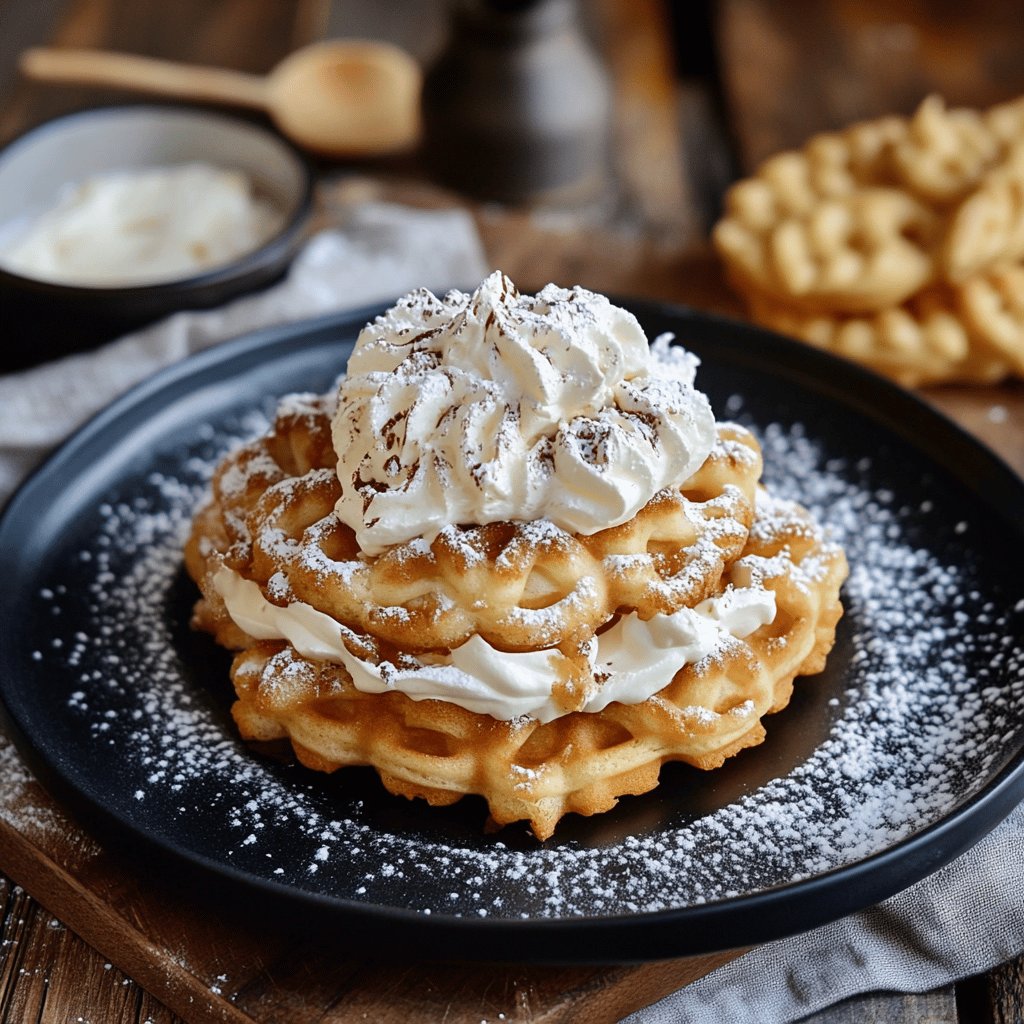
[(897, 243), (513, 555)]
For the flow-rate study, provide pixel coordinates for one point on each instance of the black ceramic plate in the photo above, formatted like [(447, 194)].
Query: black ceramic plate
[(902, 754)]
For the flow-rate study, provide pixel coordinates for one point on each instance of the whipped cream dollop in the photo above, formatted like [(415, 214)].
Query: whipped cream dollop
[(499, 406), (634, 658), (143, 226)]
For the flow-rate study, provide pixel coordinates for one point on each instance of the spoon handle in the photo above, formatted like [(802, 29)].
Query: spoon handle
[(144, 74)]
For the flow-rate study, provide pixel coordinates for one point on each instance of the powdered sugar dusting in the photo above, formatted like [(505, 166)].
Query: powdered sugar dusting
[(931, 699)]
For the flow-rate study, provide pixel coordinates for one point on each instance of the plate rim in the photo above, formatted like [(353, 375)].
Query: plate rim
[(844, 889)]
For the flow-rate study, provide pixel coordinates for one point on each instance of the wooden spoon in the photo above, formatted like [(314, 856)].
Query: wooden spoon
[(338, 98)]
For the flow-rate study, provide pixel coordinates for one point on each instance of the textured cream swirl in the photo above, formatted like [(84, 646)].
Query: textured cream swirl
[(500, 406)]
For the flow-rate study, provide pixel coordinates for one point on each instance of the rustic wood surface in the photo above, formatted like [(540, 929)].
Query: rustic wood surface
[(1006, 984), (938, 1007), (136, 951)]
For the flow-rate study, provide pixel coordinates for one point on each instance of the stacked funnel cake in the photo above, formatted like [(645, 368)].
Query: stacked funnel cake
[(515, 556)]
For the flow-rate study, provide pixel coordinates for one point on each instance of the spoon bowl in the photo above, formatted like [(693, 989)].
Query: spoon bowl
[(347, 97)]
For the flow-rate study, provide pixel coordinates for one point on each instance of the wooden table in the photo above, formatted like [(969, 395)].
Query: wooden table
[(649, 243)]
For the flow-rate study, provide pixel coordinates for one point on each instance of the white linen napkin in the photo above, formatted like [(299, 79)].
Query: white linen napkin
[(380, 252)]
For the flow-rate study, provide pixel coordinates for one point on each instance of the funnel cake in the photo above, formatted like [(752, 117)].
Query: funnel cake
[(545, 665), (895, 243)]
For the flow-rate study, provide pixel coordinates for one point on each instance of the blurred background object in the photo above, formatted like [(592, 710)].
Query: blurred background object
[(751, 77), (792, 69), (517, 106), (337, 98)]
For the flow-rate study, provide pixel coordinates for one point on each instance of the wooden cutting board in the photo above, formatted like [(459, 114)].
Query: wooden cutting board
[(233, 968)]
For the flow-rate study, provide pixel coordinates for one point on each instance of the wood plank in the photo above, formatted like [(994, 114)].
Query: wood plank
[(994, 415), (938, 1007), (791, 69), (71, 875), (246, 35), (23, 25), (1006, 992), (35, 987)]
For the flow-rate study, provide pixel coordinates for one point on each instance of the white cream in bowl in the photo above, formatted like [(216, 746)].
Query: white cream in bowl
[(142, 226)]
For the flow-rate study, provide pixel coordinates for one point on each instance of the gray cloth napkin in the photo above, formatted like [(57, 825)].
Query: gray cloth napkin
[(962, 920), (379, 252)]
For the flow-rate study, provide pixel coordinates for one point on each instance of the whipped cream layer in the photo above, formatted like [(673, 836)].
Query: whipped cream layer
[(499, 406), (633, 658)]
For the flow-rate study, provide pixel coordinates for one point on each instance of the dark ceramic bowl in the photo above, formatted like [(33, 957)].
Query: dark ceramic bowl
[(41, 320)]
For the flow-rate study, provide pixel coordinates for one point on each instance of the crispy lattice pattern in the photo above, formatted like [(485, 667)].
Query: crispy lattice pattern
[(521, 586), (868, 241), (944, 153), (581, 762), (858, 252), (987, 229), (993, 304)]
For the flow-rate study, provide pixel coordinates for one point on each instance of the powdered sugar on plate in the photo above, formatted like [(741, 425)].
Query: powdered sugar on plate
[(927, 701)]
